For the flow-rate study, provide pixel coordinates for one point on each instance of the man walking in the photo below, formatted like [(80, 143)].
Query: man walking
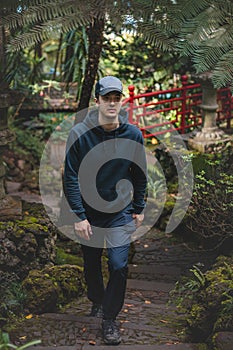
[(105, 184)]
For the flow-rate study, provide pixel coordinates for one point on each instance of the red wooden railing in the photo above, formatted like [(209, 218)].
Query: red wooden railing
[(163, 111)]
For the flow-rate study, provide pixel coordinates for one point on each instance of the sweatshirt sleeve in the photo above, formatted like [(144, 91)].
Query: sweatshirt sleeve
[(71, 181), (139, 179)]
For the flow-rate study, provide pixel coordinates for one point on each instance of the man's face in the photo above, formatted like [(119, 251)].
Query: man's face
[(110, 105)]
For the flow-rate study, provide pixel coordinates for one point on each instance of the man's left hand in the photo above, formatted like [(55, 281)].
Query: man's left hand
[(138, 219)]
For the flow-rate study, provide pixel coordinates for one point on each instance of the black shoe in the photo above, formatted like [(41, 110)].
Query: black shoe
[(96, 310), (111, 332)]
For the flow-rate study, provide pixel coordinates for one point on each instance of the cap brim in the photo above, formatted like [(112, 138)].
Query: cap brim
[(107, 90)]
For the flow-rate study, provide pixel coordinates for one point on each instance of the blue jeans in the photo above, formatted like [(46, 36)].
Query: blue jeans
[(112, 298)]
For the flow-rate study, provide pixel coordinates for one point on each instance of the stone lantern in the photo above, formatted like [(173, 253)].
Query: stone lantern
[(210, 138)]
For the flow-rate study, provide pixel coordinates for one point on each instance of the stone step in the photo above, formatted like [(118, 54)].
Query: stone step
[(184, 346), (72, 330), (154, 272), (174, 255), (149, 285)]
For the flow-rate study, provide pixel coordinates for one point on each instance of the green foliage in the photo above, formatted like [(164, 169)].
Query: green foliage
[(12, 300), (200, 30), (137, 61), (23, 68), (209, 215), (76, 45), (206, 298), (184, 289), (62, 257), (208, 34), (43, 18), (199, 279), (5, 343), (156, 185), (27, 144), (56, 125)]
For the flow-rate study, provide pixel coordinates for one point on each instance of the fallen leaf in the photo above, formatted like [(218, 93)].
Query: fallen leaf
[(163, 321), (28, 317), (92, 342)]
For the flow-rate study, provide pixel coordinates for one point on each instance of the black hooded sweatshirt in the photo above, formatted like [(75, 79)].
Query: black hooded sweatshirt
[(105, 172)]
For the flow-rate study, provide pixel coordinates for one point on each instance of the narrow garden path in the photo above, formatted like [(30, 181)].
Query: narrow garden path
[(147, 320)]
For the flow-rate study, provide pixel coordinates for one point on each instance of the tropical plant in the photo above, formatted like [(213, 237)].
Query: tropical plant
[(209, 215), (31, 22), (206, 299), (6, 345), (201, 30)]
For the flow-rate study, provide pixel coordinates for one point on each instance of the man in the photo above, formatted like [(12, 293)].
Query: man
[(105, 183)]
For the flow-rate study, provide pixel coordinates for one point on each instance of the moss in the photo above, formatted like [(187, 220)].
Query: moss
[(28, 223), (2, 225), (33, 227), (42, 293), (6, 225), (62, 257), (53, 286), (29, 219), (69, 279), (209, 307), (19, 233)]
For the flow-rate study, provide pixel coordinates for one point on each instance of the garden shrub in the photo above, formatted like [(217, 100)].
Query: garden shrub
[(210, 213), (207, 299)]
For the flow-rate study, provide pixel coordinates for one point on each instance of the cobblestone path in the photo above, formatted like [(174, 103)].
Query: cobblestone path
[(147, 321)]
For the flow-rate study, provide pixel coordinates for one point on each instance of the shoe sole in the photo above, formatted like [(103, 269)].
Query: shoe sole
[(109, 342)]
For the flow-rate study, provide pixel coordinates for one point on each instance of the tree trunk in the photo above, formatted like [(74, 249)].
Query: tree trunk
[(37, 68), (95, 36), (69, 71)]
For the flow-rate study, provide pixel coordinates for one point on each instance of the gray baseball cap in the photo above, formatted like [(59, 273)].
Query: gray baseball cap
[(108, 84)]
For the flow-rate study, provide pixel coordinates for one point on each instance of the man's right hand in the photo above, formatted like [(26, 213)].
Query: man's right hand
[(83, 229)]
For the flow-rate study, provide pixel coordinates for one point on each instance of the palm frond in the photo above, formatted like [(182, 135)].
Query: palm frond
[(156, 37), (39, 19), (35, 14), (46, 30), (206, 58), (223, 71), (206, 36), (190, 8)]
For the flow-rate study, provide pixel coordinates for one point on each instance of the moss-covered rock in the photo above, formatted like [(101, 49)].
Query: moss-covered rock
[(208, 301), (28, 243), (53, 286), (42, 292), (25, 245), (63, 257)]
